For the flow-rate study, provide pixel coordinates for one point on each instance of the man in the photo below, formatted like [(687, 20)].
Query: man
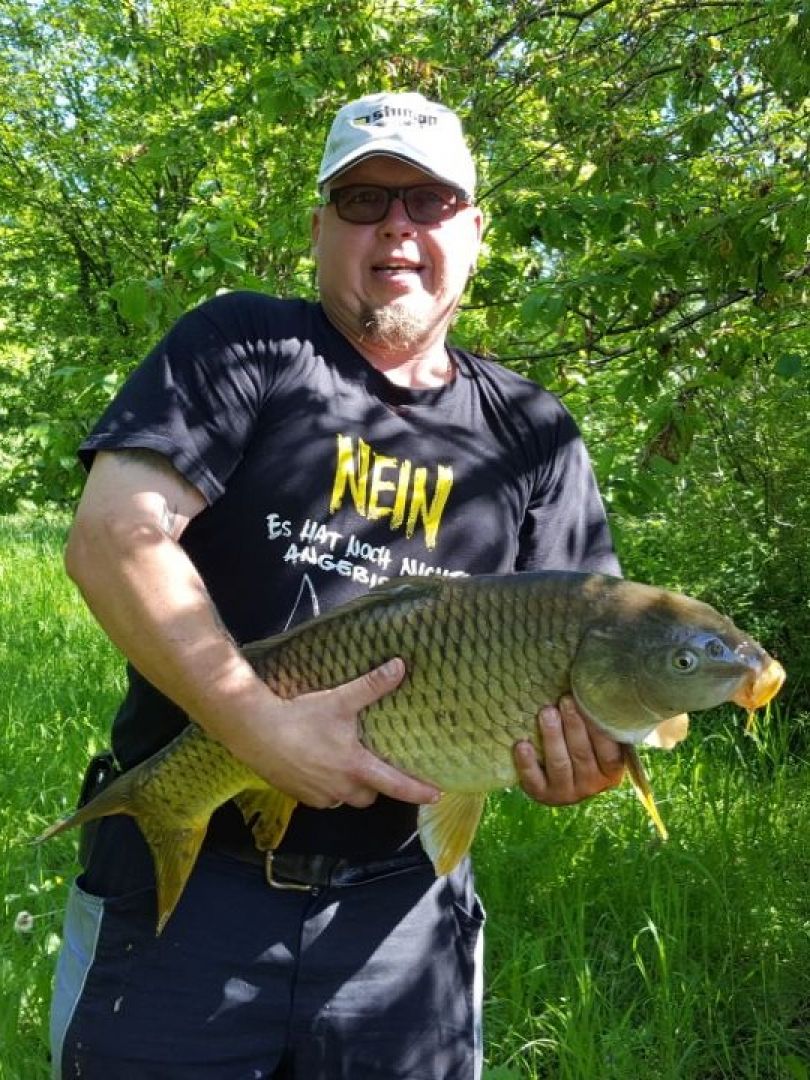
[(269, 460)]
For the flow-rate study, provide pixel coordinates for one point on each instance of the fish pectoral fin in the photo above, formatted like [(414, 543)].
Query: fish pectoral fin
[(638, 778), (174, 852), (271, 809), (446, 828), (669, 732)]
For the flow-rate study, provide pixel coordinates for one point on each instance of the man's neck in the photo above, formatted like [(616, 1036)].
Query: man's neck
[(414, 369)]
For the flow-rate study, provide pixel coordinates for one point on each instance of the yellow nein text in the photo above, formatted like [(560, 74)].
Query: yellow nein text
[(383, 486)]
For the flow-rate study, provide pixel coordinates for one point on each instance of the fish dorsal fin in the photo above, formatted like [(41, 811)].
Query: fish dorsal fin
[(272, 810), (669, 732), (408, 586), (400, 590), (447, 828), (638, 778)]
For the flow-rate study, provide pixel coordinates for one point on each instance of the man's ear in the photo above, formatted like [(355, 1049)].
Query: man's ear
[(479, 237), (315, 228), (479, 222)]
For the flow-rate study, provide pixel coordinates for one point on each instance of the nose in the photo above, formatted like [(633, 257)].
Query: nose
[(396, 222)]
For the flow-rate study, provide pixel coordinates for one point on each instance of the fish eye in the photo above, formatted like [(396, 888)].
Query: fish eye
[(684, 660), (715, 649)]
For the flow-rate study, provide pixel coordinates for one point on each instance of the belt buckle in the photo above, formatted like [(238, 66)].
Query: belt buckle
[(296, 886)]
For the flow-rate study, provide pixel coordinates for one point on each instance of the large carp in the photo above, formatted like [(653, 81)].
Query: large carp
[(481, 655)]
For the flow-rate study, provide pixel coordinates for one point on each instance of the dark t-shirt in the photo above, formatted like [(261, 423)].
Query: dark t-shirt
[(323, 479)]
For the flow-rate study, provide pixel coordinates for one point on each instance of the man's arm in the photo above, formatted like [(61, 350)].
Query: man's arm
[(148, 597)]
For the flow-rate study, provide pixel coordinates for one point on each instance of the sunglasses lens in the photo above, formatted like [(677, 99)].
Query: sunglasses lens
[(366, 204), (429, 203), (361, 203)]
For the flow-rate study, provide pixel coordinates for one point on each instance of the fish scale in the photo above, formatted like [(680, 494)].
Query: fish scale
[(481, 656)]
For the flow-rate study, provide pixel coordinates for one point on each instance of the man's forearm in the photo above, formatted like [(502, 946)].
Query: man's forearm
[(152, 603)]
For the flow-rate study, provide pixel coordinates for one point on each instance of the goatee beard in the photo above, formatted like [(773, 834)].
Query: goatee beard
[(395, 326)]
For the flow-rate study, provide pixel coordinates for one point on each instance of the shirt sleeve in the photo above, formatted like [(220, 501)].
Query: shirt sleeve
[(196, 396), (565, 526)]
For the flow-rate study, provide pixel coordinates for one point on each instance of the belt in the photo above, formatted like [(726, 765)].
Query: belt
[(310, 873)]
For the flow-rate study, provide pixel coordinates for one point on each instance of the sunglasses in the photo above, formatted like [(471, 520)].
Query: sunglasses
[(425, 204)]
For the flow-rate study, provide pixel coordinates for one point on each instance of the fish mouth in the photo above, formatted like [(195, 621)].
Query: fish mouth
[(761, 687)]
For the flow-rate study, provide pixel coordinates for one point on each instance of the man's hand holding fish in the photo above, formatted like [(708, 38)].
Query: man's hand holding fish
[(578, 760)]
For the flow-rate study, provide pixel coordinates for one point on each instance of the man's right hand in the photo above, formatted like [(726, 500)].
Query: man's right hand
[(314, 753)]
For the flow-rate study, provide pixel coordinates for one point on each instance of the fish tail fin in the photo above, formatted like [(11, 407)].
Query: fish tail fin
[(118, 798), (446, 828), (174, 852), (638, 778)]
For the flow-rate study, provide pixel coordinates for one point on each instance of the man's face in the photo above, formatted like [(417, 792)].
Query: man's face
[(395, 279)]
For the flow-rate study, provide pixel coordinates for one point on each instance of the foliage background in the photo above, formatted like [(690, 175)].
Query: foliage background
[(644, 172)]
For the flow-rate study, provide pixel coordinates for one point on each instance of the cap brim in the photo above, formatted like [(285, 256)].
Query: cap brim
[(381, 150)]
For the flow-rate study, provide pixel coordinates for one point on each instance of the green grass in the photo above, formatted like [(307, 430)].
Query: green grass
[(59, 681), (609, 955), (614, 955)]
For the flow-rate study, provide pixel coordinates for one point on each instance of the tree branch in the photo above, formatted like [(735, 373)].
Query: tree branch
[(546, 11), (608, 356)]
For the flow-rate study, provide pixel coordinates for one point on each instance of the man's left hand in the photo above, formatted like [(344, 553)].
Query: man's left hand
[(578, 760)]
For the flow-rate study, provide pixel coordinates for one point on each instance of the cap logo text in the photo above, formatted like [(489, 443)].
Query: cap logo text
[(399, 114)]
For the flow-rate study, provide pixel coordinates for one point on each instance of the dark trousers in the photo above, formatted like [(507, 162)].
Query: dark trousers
[(374, 981)]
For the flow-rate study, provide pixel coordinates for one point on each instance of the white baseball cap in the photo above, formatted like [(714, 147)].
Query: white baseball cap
[(404, 126)]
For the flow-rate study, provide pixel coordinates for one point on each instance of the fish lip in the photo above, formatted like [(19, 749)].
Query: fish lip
[(763, 685)]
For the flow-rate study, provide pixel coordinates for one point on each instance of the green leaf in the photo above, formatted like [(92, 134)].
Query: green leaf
[(661, 178), (771, 274), (789, 366), (543, 306), (132, 300)]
